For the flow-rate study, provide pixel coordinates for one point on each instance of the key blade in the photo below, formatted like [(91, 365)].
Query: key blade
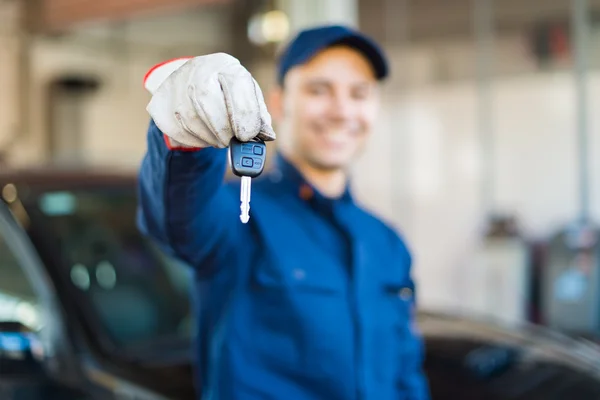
[(246, 188)]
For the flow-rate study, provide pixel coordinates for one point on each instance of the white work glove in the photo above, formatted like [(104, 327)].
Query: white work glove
[(205, 101)]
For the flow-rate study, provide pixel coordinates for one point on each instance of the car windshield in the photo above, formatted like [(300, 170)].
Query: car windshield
[(137, 295)]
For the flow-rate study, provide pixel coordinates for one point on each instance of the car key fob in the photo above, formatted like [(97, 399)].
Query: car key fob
[(247, 161), (247, 158)]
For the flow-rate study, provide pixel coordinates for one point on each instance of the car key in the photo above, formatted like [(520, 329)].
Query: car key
[(247, 160)]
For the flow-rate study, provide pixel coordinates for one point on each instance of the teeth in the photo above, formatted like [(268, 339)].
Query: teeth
[(334, 134)]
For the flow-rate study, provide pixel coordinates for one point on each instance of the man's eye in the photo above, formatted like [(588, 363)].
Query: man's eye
[(317, 90), (360, 94)]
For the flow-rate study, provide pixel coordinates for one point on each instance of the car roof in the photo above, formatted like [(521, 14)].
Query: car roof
[(66, 177)]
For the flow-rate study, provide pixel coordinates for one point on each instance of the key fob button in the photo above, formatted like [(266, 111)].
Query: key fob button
[(244, 160)]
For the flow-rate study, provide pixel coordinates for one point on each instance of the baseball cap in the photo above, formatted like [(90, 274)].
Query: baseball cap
[(309, 42)]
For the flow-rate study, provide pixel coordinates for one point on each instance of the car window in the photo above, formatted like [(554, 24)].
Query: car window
[(18, 301), (134, 291)]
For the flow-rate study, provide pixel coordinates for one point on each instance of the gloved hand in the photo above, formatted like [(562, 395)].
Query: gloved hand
[(205, 101)]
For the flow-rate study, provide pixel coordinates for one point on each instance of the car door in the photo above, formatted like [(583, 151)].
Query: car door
[(20, 302), (26, 297)]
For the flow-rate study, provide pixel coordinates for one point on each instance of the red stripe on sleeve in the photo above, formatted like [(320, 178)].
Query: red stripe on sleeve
[(179, 148)]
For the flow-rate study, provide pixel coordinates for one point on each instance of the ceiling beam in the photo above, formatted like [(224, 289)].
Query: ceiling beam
[(58, 16), (434, 19)]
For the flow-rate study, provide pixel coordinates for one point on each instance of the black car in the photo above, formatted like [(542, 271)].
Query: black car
[(485, 360), (109, 310), (90, 309)]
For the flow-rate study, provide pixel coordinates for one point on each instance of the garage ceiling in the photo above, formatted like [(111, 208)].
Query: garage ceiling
[(430, 19), (55, 16)]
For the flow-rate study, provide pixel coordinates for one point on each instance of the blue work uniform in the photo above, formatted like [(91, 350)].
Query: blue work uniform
[(312, 299)]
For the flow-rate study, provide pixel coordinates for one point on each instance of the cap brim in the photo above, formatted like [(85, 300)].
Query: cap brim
[(370, 50)]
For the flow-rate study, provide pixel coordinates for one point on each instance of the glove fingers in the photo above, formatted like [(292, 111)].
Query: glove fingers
[(242, 103), (210, 99), (195, 106), (266, 135), (178, 119), (191, 121), (212, 113)]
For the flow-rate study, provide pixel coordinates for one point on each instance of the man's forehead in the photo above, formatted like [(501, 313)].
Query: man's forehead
[(335, 61)]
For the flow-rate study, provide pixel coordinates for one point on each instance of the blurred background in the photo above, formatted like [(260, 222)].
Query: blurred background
[(486, 157), (483, 113)]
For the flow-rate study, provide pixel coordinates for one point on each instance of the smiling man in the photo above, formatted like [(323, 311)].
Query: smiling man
[(327, 106), (313, 298)]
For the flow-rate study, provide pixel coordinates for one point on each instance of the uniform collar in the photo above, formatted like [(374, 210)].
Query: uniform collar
[(292, 180)]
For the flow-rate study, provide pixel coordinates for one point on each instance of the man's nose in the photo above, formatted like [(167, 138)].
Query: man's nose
[(343, 107)]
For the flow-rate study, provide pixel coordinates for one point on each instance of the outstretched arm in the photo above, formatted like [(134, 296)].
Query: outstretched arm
[(183, 204), (198, 105)]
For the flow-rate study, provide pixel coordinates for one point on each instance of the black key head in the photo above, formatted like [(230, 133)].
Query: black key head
[(247, 158)]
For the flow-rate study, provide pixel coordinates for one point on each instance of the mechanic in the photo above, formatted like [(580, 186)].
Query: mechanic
[(313, 298)]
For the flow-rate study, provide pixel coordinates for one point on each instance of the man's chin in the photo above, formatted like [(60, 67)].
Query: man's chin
[(328, 165)]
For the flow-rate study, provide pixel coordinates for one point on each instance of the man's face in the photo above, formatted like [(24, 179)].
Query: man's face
[(328, 108)]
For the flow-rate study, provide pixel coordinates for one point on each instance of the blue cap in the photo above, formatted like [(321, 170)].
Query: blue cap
[(309, 42)]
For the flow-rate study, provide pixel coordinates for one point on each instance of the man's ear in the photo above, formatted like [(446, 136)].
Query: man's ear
[(275, 103)]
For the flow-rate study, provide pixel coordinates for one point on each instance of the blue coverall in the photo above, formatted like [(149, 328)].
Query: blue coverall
[(311, 300)]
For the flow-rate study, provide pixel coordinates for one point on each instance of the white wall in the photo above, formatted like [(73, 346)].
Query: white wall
[(423, 171), (115, 121), (9, 72)]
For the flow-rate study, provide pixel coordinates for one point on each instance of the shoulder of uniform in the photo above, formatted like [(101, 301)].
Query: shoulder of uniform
[(375, 219), (392, 234)]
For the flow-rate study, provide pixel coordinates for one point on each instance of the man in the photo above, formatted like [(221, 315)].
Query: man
[(312, 299)]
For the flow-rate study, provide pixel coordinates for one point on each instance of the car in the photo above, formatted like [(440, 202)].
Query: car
[(91, 309), (471, 358), (110, 310)]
